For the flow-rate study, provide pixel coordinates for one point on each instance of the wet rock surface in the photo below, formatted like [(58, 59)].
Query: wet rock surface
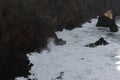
[(101, 41), (26, 25), (104, 21)]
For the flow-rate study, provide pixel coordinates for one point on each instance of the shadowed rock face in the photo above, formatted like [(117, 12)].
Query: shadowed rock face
[(26, 25), (57, 13), (107, 20), (18, 39), (104, 21)]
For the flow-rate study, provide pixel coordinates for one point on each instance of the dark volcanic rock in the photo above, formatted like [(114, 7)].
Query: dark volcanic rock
[(19, 38), (57, 13), (59, 42), (15, 65), (26, 25), (101, 41), (104, 21)]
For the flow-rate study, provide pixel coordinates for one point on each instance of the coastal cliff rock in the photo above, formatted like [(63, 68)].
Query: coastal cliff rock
[(107, 20), (26, 25)]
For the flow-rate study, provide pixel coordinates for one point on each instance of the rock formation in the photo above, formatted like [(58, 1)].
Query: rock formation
[(26, 25), (21, 33), (107, 20), (101, 41)]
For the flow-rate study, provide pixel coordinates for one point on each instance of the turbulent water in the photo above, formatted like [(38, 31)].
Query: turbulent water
[(74, 61)]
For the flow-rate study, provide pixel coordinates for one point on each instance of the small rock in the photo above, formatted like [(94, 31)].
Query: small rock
[(101, 41), (82, 58), (59, 42)]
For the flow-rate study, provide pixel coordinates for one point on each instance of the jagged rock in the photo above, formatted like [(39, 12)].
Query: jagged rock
[(22, 31), (15, 65), (18, 39), (58, 12), (107, 20), (101, 41), (59, 42), (25, 26)]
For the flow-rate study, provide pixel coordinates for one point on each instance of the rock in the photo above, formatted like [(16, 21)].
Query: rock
[(82, 58), (101, 41), (89, 21), (15, 65), (56, 12), (59, 42), (107, 20), (25, 26), (16, 40)]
